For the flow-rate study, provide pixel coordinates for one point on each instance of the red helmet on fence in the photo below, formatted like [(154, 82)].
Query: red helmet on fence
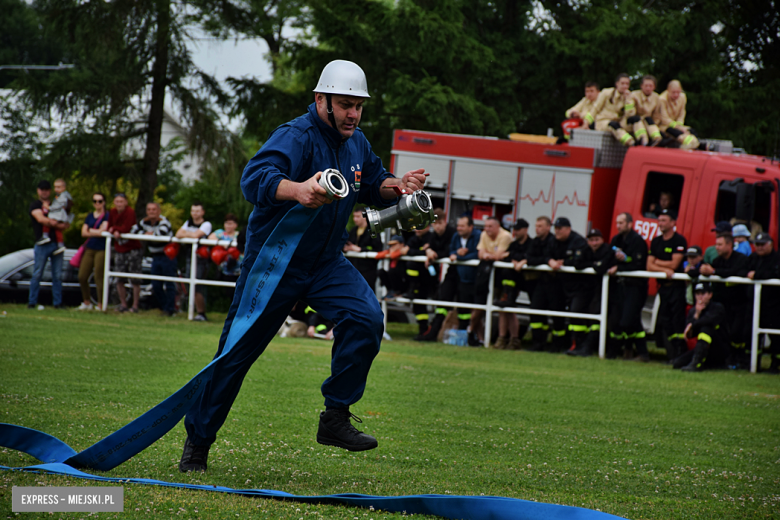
[(203, 252), (218, 255), (171, 250), (234, 252)]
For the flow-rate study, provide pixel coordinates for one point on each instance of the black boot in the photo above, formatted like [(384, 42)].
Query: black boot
[(699, 357), (194, 458), (422, 328), (336, 430), (433, 331)]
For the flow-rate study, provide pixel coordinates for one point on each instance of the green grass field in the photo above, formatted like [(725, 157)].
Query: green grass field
[(634, 440)]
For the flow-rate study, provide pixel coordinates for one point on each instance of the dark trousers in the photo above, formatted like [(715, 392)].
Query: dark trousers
[(710, 350), (166, 298), (739, 321), (548, 295), (671, 319), (626, 301), (340, 295), (584, 332), (466, 294)]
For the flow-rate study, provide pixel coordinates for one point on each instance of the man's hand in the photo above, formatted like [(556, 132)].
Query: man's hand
[(620, 256), (116, 234), (414, 180), (669, 273), (310, 194), (700, 306), (349, 246), (707, 270), (453, 258), (687, 332), (751, 274), (519, 264), (612, 270), (574, 114), (555, 264), (463, 251)]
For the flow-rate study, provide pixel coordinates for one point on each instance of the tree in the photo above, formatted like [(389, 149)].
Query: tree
[(129, 54)]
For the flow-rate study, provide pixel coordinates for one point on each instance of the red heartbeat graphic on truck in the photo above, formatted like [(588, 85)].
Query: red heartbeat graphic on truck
[(551, 196)]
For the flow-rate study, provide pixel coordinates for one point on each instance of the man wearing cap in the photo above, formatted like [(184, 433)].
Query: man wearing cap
[(441, 238), (627, 294), (764, 264), (741, 239), (420, 283), (42, 253), (704, 323), (283, 174), (586, 298), (509, 335), (733, 296), (691, 266), (666, 256), (542, 297), (566, 248)]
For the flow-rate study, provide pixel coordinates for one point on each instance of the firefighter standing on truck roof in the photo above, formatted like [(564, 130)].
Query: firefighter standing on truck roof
[(543, 298), (673, 102), (666, 256), (612, 108), (648, 111), (627, 296), (764, 264), (733, 296), (565, 249)]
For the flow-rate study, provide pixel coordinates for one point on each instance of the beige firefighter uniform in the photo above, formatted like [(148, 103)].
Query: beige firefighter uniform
[(672, 120), (610, 112), (648, 111), (584, 107)]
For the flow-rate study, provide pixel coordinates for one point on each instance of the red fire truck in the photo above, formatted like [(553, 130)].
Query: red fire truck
[(592, 180)]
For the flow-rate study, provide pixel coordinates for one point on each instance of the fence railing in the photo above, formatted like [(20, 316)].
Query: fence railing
[(488, 307)]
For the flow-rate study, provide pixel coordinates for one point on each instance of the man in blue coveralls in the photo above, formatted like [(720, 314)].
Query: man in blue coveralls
[(284, 173)]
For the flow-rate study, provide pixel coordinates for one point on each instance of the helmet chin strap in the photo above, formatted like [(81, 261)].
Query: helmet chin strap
[(331, 117)]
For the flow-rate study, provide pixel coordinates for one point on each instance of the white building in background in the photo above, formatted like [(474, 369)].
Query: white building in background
[(189, 167)]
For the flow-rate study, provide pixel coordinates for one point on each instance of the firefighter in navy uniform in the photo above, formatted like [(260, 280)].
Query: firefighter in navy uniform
[(542, 297), (764, 264), (704, 323), (360, 241), (440, 240), (566, 248), (587, 297), (510, 333), (733, 296), (666, 255), (627, 296), (421, 283)]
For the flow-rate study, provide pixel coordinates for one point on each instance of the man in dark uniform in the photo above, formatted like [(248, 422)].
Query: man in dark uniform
[(627, 295), (360, 241), (704, 323), (542, 298), (587, 296), (666, 256), (733, 296), (566, 248), (511, 283), (420, 282), (764, 264), (440, 241)]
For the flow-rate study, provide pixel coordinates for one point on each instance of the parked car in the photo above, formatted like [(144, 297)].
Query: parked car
[(16, 270)]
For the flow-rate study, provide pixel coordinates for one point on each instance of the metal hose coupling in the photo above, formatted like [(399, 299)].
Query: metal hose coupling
[(414, 210), (334, 184)]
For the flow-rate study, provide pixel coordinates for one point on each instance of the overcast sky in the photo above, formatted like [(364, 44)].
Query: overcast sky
[(232, 58)]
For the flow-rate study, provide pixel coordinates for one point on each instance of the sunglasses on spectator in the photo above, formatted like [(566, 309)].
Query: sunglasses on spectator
[(98, 201)]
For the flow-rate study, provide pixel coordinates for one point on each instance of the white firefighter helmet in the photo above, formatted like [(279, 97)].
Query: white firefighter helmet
[(343, 77)]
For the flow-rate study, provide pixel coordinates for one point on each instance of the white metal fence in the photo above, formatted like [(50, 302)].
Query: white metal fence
[(489, 308)]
